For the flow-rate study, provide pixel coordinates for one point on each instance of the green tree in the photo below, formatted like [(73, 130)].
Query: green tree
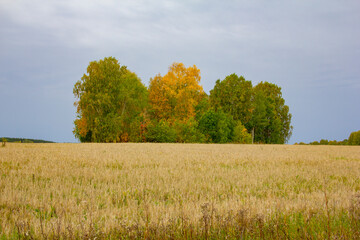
[(217, 126), (271, 120), (354, 138), (324, 142), (202, 107), (259, 119), (233, 95), (109, 97)]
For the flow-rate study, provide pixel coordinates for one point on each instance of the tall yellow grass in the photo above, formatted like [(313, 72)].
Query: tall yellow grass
[(49, 189)]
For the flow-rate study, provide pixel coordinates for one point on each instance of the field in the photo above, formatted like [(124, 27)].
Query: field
[(176, 191)]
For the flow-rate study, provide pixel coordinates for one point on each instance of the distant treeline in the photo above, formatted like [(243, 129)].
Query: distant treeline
[(354, 139), (24, 140)]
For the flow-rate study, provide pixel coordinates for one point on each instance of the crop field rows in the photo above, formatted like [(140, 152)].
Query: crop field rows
[(176, 191)]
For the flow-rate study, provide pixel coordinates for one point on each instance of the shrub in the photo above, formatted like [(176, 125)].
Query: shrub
[(324, 142), (4, 140), (160, 132), (217, 126), (188, 132), (138, 129), (241, 135)]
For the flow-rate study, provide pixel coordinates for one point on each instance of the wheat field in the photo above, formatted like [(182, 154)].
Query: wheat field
[(176, 191)]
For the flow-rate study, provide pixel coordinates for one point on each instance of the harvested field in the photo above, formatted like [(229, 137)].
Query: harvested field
[(179, 191)]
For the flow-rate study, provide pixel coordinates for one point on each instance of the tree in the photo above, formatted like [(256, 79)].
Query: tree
[(217, 126), (202, 107), (233, 95), (354, 138), (109, 97), (259, 119), (175, 95), (324, 142), (271, 119), (261, 109)]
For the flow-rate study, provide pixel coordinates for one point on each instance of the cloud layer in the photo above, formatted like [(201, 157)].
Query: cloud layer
[(309, 48)]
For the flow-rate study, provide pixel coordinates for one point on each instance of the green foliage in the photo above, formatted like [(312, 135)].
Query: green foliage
[(271, 119), (112, 105), (202, 107), (4, 140), (161, 132), (24, 140), (241, 134), (110, 98), (326, 142), (260, 108), (354, 138), (188, 132), (239, 224), (233, 95), (82, 138), (138, 129), (259, 120), (217, 126)]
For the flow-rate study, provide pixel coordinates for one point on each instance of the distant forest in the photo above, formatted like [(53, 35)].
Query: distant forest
[(354, 139), (24, 140)]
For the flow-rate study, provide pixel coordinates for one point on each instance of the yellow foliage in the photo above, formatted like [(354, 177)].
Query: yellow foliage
[(81, 126), (175, 95), (124, 137)]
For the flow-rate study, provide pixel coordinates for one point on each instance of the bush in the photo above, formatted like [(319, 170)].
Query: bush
[(324, 142), (217, 126), (241, 135), (188, 132), (138, 129), (160, 132), (4, 140)]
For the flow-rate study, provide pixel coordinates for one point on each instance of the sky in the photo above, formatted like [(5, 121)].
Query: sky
[(310, 48)]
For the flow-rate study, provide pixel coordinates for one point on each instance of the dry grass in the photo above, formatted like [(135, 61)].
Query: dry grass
[(178, 191)]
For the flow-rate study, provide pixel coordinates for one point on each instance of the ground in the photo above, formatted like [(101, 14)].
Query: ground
[(149, 190)]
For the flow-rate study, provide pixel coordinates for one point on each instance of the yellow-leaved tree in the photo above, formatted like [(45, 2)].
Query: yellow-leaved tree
[(175, 95)]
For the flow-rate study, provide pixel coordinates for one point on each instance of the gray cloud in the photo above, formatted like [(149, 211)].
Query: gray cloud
[(309, 48)]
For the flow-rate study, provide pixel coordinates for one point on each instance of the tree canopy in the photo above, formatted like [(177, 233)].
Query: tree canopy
[(114, 106), (109, 97), (261, 109), (354, 138), (271, 119), (233, 95), (175, 95)]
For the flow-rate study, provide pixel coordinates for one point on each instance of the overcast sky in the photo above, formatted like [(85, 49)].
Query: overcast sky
[(311, 49)]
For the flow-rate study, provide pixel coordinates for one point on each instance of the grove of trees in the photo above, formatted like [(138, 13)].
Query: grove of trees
[(113, 105)]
